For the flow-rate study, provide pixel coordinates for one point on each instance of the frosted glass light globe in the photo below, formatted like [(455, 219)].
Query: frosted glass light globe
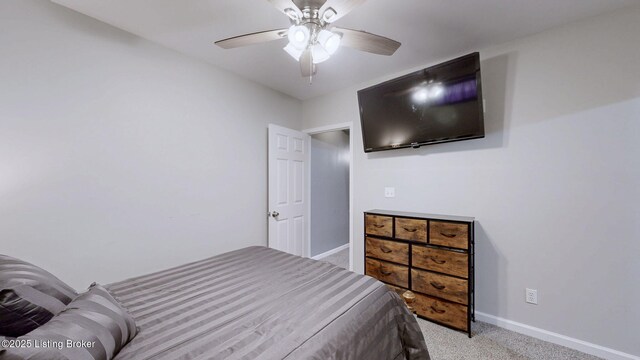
[(319, 54), (299, 36), (329, 40)]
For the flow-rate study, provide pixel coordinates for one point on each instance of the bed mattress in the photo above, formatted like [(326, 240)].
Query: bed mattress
[(260, 303)]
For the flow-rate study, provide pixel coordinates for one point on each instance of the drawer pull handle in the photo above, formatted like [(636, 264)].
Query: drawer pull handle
[(378, 226), (385, 272), (437, 311), (439, 262), (437, 286), (448, 235), (385, 249), (410, 230)]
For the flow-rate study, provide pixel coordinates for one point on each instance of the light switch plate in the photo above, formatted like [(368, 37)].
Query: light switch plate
[(389, 192)]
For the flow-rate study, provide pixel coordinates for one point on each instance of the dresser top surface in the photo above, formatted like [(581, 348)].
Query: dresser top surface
[(467, 219)]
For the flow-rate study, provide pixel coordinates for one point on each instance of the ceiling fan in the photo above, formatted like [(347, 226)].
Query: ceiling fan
[(312, 39)]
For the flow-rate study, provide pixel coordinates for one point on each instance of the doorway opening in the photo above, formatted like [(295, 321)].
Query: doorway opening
[(330, 173)]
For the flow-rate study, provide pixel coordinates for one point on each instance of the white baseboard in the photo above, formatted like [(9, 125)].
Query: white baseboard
[(331, 252), (585, 347)]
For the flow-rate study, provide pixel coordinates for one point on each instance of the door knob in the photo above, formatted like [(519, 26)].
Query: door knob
[(274, 214)]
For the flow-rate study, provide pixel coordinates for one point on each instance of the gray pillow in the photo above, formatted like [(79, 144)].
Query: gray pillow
[(29, 296), (93, 326)]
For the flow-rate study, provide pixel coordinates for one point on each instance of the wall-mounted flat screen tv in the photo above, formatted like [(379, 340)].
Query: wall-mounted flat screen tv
[(439, 104)]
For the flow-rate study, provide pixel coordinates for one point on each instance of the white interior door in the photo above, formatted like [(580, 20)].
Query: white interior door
[(288, 190)]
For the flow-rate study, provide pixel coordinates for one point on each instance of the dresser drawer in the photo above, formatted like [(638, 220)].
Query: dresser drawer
[(411, 229), (379, 225), (388, 250), (440, 260), (454, 315), (455, 235), (442, 286), (390, 273)]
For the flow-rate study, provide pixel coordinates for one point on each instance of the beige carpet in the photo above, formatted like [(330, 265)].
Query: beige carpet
[(491, 342), (488, 341), (341, 258)]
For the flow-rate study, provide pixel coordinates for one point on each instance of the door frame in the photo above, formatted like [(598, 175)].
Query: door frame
[(320, 130)]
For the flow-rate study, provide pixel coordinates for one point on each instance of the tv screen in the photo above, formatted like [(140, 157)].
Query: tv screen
[(439, 104)]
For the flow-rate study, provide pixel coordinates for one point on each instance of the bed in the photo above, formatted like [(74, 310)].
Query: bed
[(260, 303), (253, 303)]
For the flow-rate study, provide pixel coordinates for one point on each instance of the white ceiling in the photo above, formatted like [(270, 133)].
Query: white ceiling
[(429, 30)]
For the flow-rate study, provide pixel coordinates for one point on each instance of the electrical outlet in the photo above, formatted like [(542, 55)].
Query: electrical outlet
[(531, 296), (389, 192)]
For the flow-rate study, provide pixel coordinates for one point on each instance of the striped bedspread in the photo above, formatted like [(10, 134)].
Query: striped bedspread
[(259, 303)]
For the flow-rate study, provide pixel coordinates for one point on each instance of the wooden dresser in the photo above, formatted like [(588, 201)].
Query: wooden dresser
[(431, 255)]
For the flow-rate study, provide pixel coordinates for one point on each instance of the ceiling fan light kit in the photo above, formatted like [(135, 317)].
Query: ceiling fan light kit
[(322, 45), (310, 41)]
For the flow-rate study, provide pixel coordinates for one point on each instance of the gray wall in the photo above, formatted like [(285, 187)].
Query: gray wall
[(330, 160), (554, 185), (119, 157)]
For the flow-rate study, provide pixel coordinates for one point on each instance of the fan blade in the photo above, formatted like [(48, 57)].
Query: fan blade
[(364, 41), (340, 7), (253, 38), (307, 66), (283, 5)]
